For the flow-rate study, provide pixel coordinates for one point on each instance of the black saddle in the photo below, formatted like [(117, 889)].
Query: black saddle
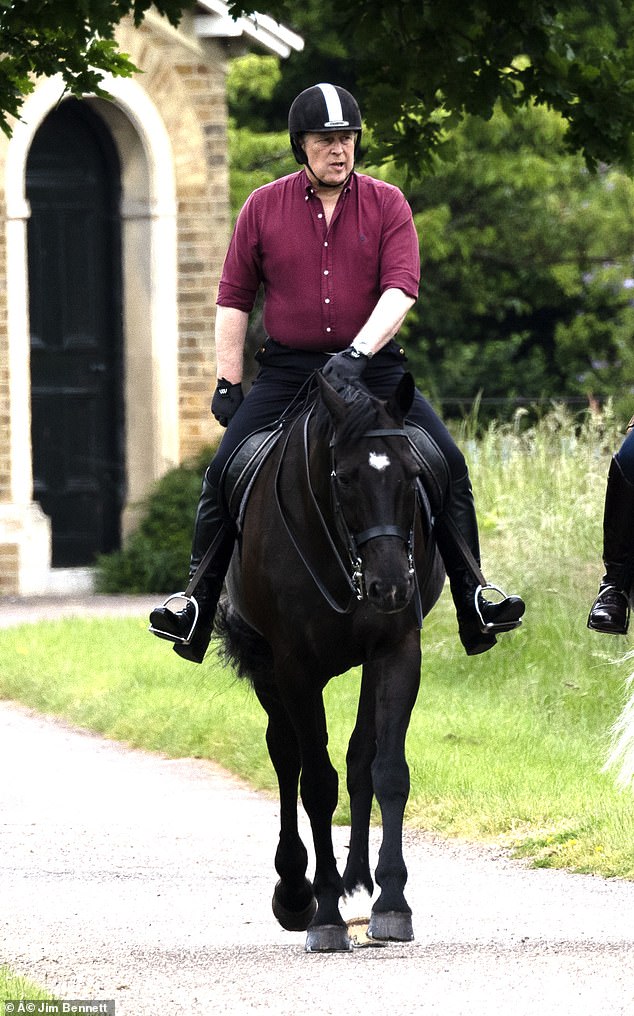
[(248, 458)]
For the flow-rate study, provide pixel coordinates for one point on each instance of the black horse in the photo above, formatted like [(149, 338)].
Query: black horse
[(336, 569)]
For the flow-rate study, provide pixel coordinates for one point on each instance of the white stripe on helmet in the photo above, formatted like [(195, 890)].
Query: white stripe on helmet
[(334, 111)]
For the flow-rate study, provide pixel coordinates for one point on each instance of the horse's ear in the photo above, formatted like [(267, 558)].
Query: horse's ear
[(400, 402), (333, 401)]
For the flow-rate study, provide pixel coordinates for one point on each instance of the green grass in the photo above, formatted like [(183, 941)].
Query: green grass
[(14, 987), (507, 747)]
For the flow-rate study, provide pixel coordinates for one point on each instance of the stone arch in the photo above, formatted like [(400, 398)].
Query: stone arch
[(149, 270)]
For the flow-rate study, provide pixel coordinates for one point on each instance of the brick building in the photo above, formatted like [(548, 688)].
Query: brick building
[(116, 220)]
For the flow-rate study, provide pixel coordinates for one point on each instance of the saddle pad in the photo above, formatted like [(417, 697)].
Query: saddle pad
[(435, 474), (243, 466)]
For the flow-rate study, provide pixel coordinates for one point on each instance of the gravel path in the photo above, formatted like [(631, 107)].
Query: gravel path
[(128, 876)]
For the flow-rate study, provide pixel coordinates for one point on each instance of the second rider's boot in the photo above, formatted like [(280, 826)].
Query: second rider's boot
[(610, 612)]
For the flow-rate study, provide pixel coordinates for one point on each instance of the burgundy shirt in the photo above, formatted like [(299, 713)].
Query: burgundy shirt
[(321, 284)]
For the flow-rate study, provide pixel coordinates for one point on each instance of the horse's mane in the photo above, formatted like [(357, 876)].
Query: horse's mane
[(362, 415)]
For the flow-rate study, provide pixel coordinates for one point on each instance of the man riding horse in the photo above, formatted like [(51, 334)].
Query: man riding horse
[(337, 254)]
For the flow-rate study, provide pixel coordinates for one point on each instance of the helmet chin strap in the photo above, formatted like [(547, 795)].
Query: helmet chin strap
[(331, 186)]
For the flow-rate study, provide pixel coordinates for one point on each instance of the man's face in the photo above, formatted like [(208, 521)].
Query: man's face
[(331, 156)]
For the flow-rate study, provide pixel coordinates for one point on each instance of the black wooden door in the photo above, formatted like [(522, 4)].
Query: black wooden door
[(73, 184)]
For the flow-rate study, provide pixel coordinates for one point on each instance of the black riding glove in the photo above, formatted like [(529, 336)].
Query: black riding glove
[(226, 399), (346, 367)]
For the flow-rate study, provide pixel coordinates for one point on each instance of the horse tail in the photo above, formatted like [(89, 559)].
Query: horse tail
[(241, 646), (621, 751)]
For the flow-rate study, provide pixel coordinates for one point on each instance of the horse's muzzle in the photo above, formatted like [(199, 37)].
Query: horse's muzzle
[(389, 597)]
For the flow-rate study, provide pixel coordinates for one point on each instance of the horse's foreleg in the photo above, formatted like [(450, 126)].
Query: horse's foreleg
[(397, 681), (327, 931), (294, 903), (361, 751)]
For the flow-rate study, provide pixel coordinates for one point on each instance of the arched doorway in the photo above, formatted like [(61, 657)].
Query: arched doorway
[(73, 184)]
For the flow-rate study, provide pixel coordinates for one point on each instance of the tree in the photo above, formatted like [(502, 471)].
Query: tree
[(72, 37), (527, 270), (422, 66), (256, 155)]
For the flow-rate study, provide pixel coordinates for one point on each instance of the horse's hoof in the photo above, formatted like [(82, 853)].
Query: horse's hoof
[(391, 926), (294, 920), (328, 938)]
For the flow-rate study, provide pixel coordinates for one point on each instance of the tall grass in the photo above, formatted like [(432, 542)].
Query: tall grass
[(540, 488), (508, 746)]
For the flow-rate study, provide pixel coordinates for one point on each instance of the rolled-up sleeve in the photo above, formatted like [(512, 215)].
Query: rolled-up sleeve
[(399, 251), (242, 271)]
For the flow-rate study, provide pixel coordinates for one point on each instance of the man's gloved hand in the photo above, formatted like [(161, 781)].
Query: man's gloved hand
[(225, 401), (346, 367)]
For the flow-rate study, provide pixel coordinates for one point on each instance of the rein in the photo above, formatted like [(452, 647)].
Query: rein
[(352, 582)]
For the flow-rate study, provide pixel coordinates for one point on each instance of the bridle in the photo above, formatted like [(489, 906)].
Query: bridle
[(353, 570), (354, 541)]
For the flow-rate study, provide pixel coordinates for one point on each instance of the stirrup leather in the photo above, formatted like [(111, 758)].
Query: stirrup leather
[(492, 626), (179, 639)]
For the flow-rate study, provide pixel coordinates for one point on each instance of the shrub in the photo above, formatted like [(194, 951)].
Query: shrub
[(155, 557)]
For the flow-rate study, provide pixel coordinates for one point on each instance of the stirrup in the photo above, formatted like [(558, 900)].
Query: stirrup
[(493, 627), (178, 639)]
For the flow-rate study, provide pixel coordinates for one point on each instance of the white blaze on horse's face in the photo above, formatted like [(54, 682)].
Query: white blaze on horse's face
[(379, 461)]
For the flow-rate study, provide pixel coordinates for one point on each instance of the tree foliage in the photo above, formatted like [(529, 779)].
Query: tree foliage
[(74, 38), (527, 270), (422, 66), (257, 155), (526, 293)]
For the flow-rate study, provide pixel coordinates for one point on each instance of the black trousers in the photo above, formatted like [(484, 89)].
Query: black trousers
[(625, 456), (281, 376)]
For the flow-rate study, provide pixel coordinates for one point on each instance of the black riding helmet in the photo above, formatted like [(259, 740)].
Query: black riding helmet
[(322, 108)]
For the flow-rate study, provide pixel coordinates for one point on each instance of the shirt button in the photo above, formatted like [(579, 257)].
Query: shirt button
[(328, 329), (320, 215), (325, 243), (327, 300), (326, 272)]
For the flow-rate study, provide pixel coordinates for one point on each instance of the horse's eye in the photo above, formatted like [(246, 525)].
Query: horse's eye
[(344, 479)]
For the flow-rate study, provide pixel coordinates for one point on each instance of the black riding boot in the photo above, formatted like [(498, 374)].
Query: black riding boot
[(610, 611), (190, 628), (479, 620)]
